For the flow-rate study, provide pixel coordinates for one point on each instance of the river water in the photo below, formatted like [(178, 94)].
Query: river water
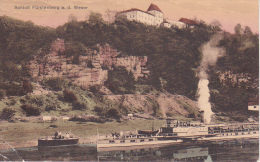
[(236, 150)]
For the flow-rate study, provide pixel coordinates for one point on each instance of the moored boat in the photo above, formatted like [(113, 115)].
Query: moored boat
[(58, 140), (178, 132)]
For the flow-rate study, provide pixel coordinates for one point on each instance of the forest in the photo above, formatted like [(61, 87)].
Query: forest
[(173, 56)]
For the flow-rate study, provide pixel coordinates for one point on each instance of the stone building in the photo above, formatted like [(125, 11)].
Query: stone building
[(153, 16)]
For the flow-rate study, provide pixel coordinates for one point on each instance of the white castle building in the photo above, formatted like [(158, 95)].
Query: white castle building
[(153, 16)]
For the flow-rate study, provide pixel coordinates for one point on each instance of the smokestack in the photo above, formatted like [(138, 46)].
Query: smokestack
[(202, 116)]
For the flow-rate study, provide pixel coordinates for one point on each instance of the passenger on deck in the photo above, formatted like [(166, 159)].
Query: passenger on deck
[(59, 134), (67, 135), (56, 134)]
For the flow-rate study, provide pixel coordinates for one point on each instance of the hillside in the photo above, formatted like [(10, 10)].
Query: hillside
[(161, 104), (147, 70)]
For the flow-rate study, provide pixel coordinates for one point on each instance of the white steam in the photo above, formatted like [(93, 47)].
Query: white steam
[(210, 55)]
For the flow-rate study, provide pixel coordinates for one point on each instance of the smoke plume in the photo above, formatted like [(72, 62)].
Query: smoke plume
[(210, 55)]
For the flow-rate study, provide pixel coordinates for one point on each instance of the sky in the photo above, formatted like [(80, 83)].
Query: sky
[(228, 12)]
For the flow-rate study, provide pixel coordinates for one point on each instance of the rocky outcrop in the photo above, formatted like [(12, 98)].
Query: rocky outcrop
[(56, 64)]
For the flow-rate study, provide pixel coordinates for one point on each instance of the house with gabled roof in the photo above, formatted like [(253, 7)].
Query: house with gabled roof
[(188, 22), (153, 15)]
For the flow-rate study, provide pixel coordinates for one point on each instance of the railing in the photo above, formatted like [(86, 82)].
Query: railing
[(233, 130)]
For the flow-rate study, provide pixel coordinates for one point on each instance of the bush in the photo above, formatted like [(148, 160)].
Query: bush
[(69, 96), (113, 113), (98, 110), (27, 86), (120, 81), (87, 118), (55, 84), (2, 93), (31, 110), (50, 107), (13, 88), (79, 105), (7, 114)]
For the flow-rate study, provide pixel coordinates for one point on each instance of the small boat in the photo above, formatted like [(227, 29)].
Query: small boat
[(58, 140)]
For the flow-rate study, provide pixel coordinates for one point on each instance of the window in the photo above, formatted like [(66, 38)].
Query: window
[(142, 140), (111, 141), (150, 139), (122, 141), (132, 140), (255, 107)]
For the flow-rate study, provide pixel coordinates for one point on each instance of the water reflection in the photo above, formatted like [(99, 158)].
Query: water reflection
[(160, 153), (243, 150), (213, 151), (52, 153)]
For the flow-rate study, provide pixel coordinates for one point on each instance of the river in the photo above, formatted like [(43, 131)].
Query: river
[(236, 150)]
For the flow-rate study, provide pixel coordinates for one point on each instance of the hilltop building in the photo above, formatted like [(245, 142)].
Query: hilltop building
[(155, 17)]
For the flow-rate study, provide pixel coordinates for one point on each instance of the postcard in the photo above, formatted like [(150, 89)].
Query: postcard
[(128, 80)]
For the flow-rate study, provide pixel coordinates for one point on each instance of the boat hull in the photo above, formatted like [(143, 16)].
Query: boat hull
[(104, 145), (57, 142)]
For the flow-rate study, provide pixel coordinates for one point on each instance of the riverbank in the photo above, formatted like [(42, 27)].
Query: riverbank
[(26, 133)]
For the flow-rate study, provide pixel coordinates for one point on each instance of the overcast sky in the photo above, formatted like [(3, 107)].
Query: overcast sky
[(228, 12)]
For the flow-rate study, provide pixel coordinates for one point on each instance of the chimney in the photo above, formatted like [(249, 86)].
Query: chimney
[(202, 115)]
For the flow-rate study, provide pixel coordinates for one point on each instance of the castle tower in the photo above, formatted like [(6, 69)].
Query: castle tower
[(154, 10)]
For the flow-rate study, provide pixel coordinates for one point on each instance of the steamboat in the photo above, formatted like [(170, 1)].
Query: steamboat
[(175, 131)]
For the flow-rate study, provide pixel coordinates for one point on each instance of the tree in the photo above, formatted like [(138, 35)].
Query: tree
[(110, 15), (72, 18), (7, 114), (238, 29), (74, 49), (120, 81), (216, 24), (248, 31), (95, 17)]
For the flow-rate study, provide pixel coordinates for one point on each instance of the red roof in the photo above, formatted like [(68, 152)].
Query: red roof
[(253, 100), (154, 7), (164, 21), (188, 21)]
